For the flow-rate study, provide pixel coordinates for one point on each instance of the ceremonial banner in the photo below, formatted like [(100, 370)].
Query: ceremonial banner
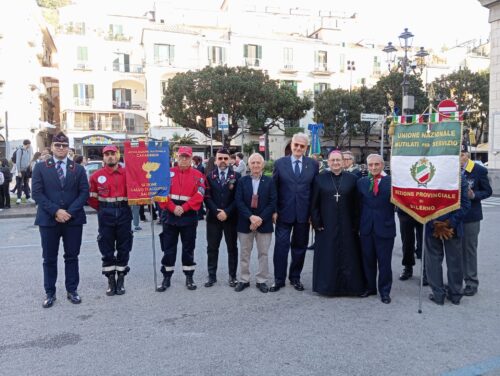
[(315, 147), (148, 172), (425, 169)]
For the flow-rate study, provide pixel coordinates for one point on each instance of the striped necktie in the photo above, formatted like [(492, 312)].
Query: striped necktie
[(60, 173)]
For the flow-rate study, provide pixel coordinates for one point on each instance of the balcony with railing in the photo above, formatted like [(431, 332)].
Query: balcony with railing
[(252, 62), (288, 67), (118, 37), (83, 65), (83, 102), (127, 68), (321, 69), (127, 105)]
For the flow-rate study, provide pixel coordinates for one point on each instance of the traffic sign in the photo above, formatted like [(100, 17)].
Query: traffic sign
[(447, 105), (371, 117), (223, 122)]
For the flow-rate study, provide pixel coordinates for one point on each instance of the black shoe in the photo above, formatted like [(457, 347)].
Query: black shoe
[(455, 301), (262, 287), (49, 301), (232, 282), (406, 274), (111, 285), (276, 286), (73, 297), (241, 286), (211, 281), (367, 293), (311, 247), (165, 284), (424, 282), (470, 291), (436, 300), (190, 283), (120, 284), (386, 299), (297, 285)]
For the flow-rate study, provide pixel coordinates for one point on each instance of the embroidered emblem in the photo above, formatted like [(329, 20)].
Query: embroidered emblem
[(102, 179), (422, 172)]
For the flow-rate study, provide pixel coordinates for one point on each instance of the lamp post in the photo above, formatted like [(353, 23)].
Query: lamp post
[(350, 67), (405, 64)]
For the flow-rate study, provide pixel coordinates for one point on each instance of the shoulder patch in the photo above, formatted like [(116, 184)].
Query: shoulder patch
[(172, 174), (102, 179)]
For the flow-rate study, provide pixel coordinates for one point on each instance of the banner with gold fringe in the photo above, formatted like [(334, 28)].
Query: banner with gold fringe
[(148, 172)]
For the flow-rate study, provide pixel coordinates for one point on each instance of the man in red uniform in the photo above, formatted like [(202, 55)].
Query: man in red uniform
[(187, 188), (108, 195)]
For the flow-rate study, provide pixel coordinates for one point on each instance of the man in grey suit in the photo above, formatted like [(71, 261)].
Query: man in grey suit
[(294, 176)]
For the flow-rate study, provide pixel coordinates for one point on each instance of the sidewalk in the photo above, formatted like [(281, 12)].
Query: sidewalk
[(24, 210)]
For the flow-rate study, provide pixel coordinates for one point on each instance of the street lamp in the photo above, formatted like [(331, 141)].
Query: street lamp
[(350, 67), (406, 65)]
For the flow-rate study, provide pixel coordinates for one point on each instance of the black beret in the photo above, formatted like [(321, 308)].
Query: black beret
[(60, 137)]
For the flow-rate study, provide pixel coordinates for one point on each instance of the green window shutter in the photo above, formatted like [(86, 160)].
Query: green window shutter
[(90, 91), (171, 54), (209, 55), (259, 52), (223, 57), (245, 50), (75, 90)]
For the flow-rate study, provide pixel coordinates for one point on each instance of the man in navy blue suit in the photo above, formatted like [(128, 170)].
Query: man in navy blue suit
[(221, 216), (294, 176), (60, 189), (377, 228), (478, 188)]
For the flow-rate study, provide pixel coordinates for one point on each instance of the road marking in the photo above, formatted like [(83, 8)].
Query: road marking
[(476, 369)]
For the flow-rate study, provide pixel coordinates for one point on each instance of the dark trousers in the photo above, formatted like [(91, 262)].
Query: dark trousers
[(435, 250), (72, 240), (142, 214), (168, 240), (5, 195), (23, 185), (377, 251), (408, 227), (297, 242), (115, 234), (214, 237), (469, 253)]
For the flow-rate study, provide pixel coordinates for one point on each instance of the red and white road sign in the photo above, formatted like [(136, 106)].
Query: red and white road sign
[(447, 105)]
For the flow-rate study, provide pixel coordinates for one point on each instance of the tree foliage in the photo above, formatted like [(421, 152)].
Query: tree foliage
[(373, 101), (186, 139), (339, 110), (244, 94), (391, 85), (470, 91), (52, 4)]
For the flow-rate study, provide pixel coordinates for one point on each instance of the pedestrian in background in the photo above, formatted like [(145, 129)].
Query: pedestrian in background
[(24, 155), (4, 188)]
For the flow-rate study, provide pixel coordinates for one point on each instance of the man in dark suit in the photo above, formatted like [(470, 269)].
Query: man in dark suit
[(221, 216), (294, 176), (60, 189), (478, 188), (377, 228), (256, 203)]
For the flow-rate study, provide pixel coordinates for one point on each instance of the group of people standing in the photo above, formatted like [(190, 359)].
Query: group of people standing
[(352, 216)]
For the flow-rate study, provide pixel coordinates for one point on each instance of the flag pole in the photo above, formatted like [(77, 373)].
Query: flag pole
[(422, 269), (150, 207)]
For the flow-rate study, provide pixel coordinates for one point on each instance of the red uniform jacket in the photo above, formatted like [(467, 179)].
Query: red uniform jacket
[(108, 185)]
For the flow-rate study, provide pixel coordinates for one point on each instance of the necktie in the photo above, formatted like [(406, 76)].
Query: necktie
[(222, 177), (297, 168), (376, 180), (60, 173)]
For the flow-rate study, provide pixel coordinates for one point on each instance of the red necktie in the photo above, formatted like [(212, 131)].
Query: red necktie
[(375, 184)]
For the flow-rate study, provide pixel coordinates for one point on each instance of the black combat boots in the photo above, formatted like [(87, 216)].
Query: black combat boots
[(165, 284), (120, 284), (111, 285), (190, 283)]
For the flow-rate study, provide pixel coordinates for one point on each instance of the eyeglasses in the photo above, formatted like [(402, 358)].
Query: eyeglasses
[(60, 146), (222, 158), (347, 159), (109, 153), (299, 146)]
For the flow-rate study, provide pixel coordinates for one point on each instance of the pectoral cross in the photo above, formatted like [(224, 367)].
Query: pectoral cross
[(337, 196)]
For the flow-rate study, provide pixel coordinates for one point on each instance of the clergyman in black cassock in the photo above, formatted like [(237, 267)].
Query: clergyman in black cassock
[(337, 265)]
